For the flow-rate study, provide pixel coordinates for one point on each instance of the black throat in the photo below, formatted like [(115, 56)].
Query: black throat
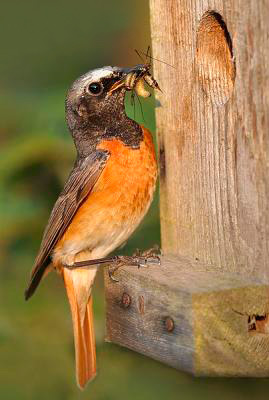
[(101, 119)]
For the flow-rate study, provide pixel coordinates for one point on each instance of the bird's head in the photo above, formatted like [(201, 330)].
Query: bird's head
[(95, 107), (89, 101)]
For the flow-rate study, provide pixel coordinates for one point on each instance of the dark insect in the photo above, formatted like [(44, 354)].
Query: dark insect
[(134, 80)]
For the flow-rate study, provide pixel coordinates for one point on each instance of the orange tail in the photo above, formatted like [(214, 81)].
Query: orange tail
[(80, 300)]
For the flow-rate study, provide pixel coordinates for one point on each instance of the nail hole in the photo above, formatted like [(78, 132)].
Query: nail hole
[(214, 58)]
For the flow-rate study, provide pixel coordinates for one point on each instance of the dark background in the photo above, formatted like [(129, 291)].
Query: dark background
[(44, 47)]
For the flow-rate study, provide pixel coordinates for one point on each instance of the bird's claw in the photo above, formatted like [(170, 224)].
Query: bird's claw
[(111, 271), (138, 261)]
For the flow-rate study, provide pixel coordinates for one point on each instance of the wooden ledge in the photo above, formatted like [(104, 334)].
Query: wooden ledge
[(191, 317)]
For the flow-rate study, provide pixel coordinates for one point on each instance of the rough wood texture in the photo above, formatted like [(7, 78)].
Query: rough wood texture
[(213, 130), (213, 127), (175, 314)]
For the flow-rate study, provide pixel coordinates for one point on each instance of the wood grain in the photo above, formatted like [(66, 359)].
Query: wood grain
[(190, 316), (214, 59), (207, 311), (213, 137)]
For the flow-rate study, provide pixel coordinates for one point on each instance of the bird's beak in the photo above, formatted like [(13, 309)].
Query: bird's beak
[(122, 75)]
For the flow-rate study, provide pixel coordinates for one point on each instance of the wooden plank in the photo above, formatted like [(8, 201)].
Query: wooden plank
[(213, 127), (207, 312), (192, 317)]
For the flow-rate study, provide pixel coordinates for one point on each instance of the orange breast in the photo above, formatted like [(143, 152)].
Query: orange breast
[(130, 173), (117, 203)]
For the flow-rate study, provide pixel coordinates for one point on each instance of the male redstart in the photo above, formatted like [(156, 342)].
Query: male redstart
[(105, 197)]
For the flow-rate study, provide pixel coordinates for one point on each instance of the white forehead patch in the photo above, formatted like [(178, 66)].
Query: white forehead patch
[(98, 74), (92, 76)]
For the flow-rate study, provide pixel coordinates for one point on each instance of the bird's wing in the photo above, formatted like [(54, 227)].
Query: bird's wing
[(78, 186)]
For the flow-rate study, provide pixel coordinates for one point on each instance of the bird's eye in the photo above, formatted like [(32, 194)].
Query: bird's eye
[(95, 88)]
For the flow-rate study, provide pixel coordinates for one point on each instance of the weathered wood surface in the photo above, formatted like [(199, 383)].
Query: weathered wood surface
[(213, 133), (213, 129), (191, 317)]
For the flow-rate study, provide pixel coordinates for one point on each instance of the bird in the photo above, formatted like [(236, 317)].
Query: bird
[(104, 199)]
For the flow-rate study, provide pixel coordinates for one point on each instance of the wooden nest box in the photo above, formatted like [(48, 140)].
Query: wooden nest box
[(205, 309)]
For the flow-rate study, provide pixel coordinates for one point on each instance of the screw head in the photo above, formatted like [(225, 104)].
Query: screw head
[(169, 324), (126, 300)]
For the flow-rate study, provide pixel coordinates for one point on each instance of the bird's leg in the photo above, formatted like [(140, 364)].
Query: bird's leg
[(115, 262), (139, 259), (89, 263)]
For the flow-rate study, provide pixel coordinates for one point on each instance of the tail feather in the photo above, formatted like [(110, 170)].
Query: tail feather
[(84, 337)]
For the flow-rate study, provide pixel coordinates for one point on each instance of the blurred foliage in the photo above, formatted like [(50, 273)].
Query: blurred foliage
[(44, 47)]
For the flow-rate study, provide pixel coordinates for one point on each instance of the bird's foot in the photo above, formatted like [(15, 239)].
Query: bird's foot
[(152, 252), (139, 259)]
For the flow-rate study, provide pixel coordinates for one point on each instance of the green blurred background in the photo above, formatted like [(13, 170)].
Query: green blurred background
[(44, 47)]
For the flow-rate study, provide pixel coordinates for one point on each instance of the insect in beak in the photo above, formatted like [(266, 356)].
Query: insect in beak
[(134, 79)]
